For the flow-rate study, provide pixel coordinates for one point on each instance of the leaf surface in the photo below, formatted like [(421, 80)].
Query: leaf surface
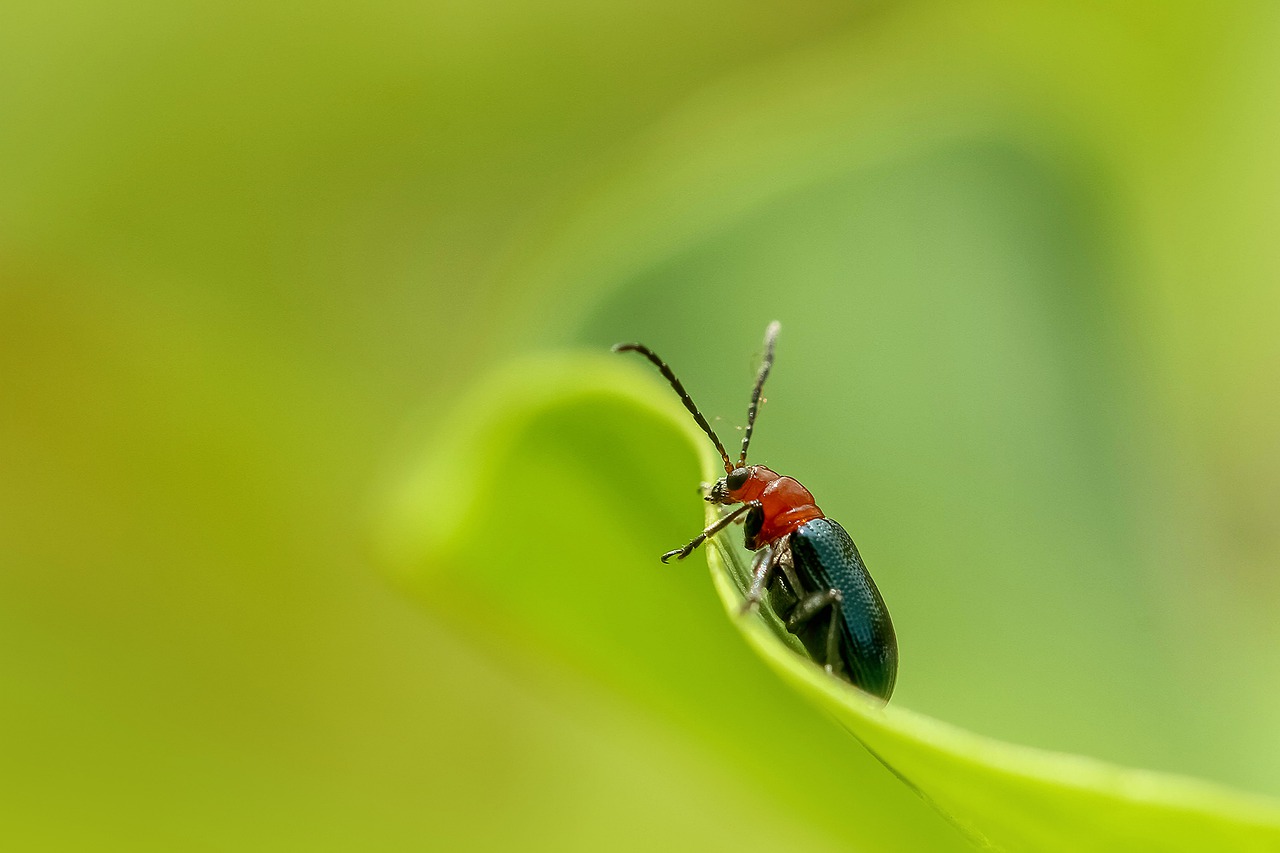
[(532, 524)]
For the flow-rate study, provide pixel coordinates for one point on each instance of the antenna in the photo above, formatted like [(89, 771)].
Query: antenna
[(687, 400), (770, 338)]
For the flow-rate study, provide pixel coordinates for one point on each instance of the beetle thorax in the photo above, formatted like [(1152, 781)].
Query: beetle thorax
[(785, 504)]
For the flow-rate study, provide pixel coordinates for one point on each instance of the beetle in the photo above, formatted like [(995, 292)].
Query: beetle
[(814, 575)]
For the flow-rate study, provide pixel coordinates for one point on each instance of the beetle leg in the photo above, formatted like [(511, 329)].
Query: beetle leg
[(762, 568), (788, 567), (714, 528), (808, 608), (835, 663)]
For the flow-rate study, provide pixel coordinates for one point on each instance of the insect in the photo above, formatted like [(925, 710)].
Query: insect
[(815, 578)]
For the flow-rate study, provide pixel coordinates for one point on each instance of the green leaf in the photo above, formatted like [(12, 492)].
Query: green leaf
[(1009, 797), (532, 525)]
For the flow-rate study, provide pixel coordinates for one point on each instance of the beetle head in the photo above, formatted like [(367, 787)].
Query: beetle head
[(723, 489)]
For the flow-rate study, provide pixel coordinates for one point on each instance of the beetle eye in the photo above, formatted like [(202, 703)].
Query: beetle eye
[(737, 479)]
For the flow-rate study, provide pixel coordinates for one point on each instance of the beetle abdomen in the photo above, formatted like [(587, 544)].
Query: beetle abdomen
[(826, 558)]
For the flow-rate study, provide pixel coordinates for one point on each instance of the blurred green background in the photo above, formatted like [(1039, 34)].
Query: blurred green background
[(252, 254)]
